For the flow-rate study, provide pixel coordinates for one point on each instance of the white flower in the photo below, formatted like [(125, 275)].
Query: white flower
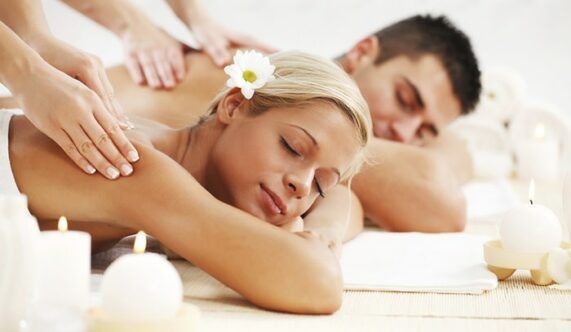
[(503, 90), (250, 71)]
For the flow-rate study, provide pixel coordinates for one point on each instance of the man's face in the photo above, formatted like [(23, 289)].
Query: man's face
[(410, 100)]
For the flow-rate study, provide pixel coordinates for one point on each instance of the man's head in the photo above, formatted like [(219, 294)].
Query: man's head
[(417, 76)]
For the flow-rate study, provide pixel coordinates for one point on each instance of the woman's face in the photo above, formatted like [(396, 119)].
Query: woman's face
[(276, 164)]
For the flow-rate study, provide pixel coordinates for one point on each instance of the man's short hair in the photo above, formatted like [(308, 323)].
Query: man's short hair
[(424, 34)]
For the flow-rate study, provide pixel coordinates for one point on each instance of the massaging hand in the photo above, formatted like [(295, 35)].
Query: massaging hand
[(153, 57), (217, 41), (81, 115)]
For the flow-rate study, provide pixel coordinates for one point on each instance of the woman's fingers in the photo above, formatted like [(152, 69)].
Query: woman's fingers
[(176, 58), (164, 70), (63, 140), (89, 151), (117, 136), (149, 70), (134, 69)]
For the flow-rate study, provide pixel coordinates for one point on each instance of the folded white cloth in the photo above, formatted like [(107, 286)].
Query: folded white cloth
[(416, 262)]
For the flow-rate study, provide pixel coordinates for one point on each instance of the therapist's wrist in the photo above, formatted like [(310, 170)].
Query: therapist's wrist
[(20, 75)]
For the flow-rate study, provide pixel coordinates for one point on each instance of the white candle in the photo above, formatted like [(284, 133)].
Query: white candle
[(141, 287), (538, 157), (65, 268), (530, 228)]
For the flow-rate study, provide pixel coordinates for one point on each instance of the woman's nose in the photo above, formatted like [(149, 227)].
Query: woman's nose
[(299, 185)]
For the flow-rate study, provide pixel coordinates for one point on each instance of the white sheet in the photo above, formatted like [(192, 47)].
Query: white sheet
[(415, 262)]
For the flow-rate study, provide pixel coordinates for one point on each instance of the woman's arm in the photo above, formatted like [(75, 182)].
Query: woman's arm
[(337, 218), (269, 266)]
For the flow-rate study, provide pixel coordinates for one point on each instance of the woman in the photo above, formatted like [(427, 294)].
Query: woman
[(214, 193)]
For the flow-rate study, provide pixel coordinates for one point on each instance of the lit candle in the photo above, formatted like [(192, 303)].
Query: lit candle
[(538, 157), (65, 268), (530, 228), (141, 287)]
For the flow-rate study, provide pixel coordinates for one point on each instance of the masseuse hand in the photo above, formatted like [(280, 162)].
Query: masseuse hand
[(81, 115), (217, 41), (153, 57)]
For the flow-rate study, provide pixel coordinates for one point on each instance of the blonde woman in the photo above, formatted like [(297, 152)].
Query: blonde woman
[(216, 193)]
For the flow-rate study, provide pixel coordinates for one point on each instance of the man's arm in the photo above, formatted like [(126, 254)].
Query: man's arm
[(409, 188)]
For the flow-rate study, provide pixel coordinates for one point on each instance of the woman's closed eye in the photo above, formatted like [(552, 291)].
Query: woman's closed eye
[(295, 153), (289, 148)]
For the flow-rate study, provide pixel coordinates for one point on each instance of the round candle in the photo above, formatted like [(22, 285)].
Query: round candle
[(141, 286), (65, 268), (530, 228)]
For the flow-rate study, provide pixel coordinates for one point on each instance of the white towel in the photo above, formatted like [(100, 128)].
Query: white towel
[(416, 262)]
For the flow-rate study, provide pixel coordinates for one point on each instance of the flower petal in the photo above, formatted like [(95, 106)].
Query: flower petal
[(247, 91)]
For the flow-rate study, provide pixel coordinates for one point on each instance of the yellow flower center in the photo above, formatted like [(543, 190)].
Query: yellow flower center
[(249, 76)]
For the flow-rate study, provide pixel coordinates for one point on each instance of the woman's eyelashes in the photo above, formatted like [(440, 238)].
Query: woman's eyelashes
[(295, 153), (319, 190), (289, 148)]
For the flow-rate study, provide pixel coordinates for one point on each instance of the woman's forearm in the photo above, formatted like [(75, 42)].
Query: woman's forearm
[(338, 217), (118, 16), (269, 266), (25, 17), (17, 60), (189, 11)]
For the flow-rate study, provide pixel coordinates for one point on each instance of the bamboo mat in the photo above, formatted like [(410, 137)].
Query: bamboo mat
[(517, 303)]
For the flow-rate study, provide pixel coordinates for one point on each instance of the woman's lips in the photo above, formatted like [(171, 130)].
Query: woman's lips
[(272, 202)]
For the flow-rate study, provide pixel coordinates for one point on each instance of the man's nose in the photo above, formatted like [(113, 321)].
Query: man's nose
[(299, 184), (404, 130)]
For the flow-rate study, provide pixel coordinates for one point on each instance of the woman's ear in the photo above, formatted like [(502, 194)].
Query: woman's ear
[(362, 54), (229, 108)]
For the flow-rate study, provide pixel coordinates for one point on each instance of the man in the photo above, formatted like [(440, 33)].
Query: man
[(417, 76)]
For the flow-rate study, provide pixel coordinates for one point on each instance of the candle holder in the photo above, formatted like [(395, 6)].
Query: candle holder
[(504, 262), (187, 320)]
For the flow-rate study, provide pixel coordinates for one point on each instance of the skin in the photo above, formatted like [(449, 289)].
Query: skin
[(428, 171), (73, 84), (217, 198)]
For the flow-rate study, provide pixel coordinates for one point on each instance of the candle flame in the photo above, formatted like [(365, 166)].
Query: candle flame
[(531, 190), (539, 131), (62, 224), (140, 243)]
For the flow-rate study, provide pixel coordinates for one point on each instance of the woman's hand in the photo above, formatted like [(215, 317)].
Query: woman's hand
[(153, 57), (293, 226), (217, 40), (76, 118)]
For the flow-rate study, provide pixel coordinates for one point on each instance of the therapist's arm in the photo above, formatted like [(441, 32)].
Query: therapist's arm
[(152, 57), (216, 40), (85, 120)]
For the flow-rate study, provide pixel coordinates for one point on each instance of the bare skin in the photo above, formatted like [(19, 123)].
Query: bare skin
[(220, 225), (411, 173)]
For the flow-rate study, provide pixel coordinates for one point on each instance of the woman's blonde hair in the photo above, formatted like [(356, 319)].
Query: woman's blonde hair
[(303, 78)]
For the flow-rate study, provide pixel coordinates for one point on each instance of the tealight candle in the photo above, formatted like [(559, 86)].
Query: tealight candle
[(141, 287), (530, 228), (65, 268), (538, 157)]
